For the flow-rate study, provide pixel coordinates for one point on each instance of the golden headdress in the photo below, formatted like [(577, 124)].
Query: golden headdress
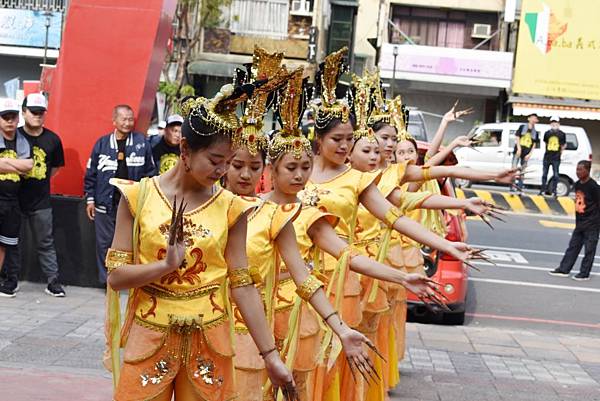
[(216, 114), (361, 88), (265, 67), (291, 104), (399, 118), (380, 107), (327, 79)]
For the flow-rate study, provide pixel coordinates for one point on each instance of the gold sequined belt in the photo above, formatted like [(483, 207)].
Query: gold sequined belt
[(167, 294)]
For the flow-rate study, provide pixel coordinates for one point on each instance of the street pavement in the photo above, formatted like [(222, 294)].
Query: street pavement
[(528, 336)]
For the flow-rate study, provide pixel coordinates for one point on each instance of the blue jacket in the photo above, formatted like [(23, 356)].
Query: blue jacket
[(102, 166)]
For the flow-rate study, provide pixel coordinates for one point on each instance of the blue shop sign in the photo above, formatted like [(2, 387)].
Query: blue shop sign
[(28, 28)]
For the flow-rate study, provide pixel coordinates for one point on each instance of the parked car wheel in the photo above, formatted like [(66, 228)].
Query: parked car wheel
[(454, 318), (563, 187), (462, 183)]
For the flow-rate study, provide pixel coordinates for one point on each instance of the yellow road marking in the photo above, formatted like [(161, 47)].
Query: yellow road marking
[(460, 194), (567, 204), (514, 201), (485, 195), (557, 224), (541, 203)]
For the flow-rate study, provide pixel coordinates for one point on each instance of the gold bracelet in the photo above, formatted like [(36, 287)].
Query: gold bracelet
[(116, 258), (240, 278), (308, 288), (352, 252), (391, 216), (426, 173), (255, 274)]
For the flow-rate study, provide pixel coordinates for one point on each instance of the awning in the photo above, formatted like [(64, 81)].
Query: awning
[(212, 68), (543, 106)]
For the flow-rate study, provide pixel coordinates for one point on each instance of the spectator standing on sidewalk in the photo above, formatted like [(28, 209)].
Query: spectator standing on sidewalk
[(34, 195), (587, 225), (15, 161), (166, 151), (525, 141), (121, 154), (556, 141)]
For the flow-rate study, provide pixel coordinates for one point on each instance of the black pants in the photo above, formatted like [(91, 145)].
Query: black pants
[(105, 230), (580, 238), (555, 163)]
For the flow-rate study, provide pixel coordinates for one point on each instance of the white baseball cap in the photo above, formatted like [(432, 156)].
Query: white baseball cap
[(8, 105), (36, 102), (162, 124), (174, 119), (554, 118)]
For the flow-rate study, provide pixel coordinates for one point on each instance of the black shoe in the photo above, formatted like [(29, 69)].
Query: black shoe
[(55, 289), (558, 273), (580, 277), (7, 290)]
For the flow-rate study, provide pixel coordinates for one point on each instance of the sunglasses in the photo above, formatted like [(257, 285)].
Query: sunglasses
[(9, 116)]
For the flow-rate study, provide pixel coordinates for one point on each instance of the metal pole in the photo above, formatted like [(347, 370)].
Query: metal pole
[(47, 14), (394, 72)]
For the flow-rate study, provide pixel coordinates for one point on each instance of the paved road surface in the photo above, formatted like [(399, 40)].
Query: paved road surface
[(518, 292)]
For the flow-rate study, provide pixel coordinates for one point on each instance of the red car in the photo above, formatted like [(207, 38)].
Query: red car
[(451, 273)]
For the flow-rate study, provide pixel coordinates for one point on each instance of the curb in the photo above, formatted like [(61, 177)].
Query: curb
[(526, 203)]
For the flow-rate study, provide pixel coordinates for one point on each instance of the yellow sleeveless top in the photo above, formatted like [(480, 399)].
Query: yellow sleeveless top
[(264, 225), (193, 293), (339, 196)]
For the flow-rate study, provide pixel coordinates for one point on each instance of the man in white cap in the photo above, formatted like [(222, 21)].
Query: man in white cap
[(15, 161), (555, 141), (34, 194), (166, 151)]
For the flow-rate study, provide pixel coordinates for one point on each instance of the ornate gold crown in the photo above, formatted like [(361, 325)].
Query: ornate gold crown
[(265, 66), (217, 113), (290, 139), (399, 118), (362, 102), (380, 109), (330, 106)]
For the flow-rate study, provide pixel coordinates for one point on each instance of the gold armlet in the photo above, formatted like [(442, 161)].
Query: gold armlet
[(309, 287), (116, 258), (240, 278), (350, 250), (255, 274), (391, 216), (426, 173)]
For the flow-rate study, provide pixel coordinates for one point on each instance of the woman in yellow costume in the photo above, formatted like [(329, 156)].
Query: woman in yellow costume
[(180, 267), (371, 237), (291, 156)]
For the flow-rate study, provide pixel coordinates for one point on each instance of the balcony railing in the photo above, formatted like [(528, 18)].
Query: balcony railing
[(265, 18), (50, 5)]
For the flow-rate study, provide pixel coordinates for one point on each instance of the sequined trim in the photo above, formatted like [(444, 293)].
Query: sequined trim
[(240, 278), (167, 294), (164, 328), (309, 287), (203, 206)]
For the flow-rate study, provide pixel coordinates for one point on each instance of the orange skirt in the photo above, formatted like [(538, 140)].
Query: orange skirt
[(152, 360)]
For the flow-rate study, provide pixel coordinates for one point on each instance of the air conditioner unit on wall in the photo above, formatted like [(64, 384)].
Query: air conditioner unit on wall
[(481, 31)]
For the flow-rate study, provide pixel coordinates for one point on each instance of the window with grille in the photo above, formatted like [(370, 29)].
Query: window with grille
[(266, 18)]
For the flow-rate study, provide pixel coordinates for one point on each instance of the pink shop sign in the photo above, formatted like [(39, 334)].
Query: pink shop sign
[(445, 61)]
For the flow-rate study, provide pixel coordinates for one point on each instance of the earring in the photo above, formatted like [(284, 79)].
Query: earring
[(186, 167)]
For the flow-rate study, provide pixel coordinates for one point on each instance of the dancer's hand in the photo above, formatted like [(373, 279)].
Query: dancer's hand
[(357, 357), (507, 176), (477, 206), (426, 289), (453, 115), (176, 245), (281, 378), (462, 141)]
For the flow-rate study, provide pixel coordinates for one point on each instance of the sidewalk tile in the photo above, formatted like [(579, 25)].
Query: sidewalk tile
[(498, 350)]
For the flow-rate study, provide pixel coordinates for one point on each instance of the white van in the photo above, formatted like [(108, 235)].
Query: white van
[(496, 152)]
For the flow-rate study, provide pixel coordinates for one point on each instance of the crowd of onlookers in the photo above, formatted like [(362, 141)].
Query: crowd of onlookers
[(30, 154)]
